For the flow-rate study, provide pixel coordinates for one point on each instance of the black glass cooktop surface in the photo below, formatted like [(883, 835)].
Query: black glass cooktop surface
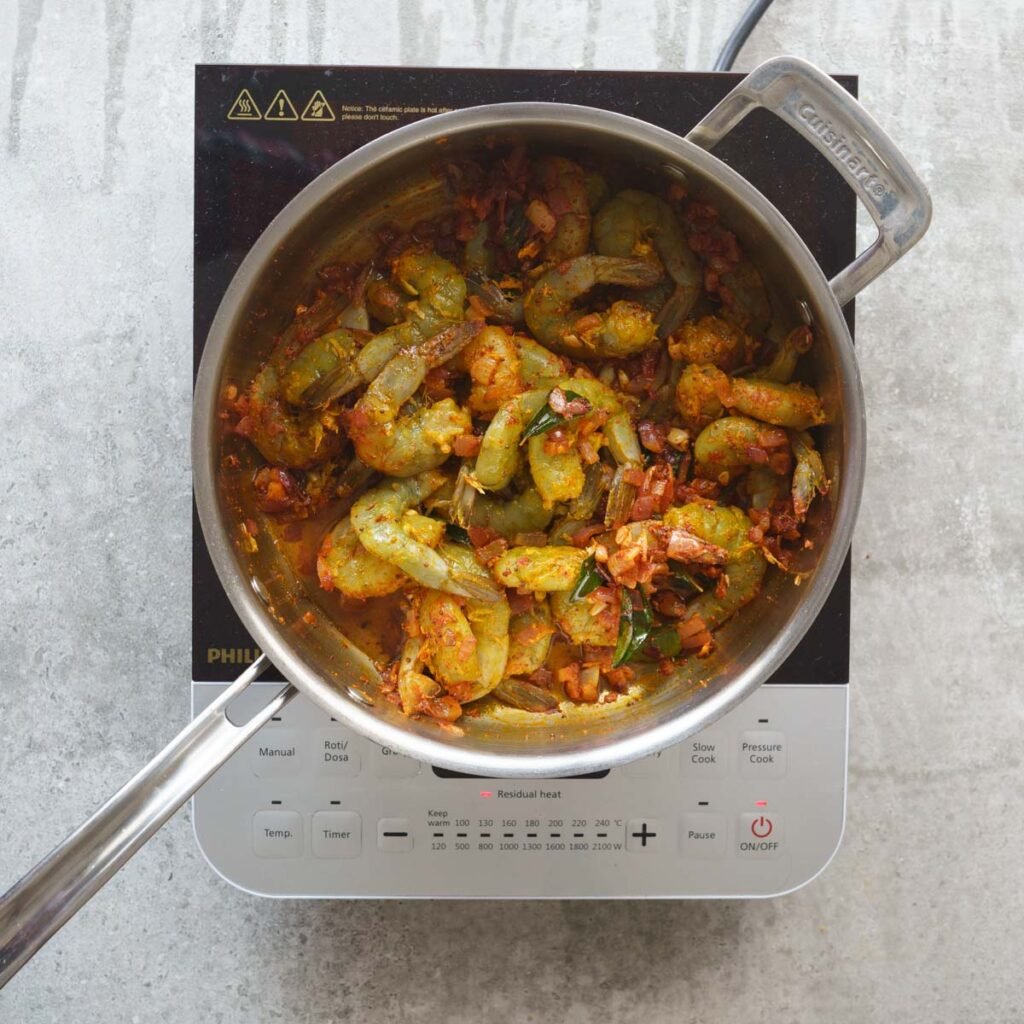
[(262, 133)]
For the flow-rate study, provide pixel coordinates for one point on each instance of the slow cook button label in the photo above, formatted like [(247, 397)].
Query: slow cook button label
[(703, 756), (762, 754), (274, 752), (336, 753)]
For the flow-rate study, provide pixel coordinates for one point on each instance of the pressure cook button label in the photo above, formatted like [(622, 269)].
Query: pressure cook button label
[(762, 754), (274, 752), (759, 835), (703, 756)]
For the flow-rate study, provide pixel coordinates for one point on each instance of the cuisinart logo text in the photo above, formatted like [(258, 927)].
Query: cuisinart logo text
[(843, 150)]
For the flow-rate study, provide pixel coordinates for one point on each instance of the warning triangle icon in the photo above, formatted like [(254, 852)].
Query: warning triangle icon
[(318, 109), (280, 108), (244, 108)]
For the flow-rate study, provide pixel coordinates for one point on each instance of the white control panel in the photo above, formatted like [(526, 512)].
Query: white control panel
[(752, 806)]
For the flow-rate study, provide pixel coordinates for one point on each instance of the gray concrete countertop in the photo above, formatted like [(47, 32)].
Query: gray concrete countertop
[(919, 916)]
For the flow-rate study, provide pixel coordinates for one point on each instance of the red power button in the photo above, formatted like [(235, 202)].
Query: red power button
[(761, 827)]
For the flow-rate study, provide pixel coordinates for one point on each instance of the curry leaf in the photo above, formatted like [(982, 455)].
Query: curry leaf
[(588, 580), (545, 418)]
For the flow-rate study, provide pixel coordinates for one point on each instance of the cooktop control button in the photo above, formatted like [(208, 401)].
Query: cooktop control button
[(275, 752), (335, 753), (644, 834), (277, 834), (703, 756), (762, 754), (758, 835), (394, 835), (703, 835), (337, 834), (648, 767), (392, 765)]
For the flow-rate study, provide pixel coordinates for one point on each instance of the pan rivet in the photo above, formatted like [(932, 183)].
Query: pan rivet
[(676, 172), (358, 696), (260, 591), (805, 311)]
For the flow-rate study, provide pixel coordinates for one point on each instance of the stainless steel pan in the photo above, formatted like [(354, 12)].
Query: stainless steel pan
[(390, 179)]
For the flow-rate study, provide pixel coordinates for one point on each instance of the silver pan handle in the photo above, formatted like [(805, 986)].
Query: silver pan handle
[(850, 138), (42, 902)]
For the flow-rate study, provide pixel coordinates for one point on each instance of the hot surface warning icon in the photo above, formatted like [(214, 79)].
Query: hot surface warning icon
[(318, 109), (244, 108), (280, 108)]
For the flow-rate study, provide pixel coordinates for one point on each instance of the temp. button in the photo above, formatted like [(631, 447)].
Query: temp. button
[(762, 754), (277, 834)]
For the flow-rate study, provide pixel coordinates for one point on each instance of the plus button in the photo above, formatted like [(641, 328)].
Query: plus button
[(641, 833)]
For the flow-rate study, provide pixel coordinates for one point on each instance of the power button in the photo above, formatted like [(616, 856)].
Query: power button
[(759, 835)]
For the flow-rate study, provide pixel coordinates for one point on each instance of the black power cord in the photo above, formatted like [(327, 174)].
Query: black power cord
[(740, 33)]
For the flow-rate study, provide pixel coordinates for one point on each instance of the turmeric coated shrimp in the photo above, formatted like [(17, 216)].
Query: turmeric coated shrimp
[(632, 224), (438, 294), (712, 340), (725, 527), (565, 187), (344, 564), (376, 517), (704, 391), (406, 444), (735, 442), (624, 328), (284, 435), (495, 370), (809, 476)]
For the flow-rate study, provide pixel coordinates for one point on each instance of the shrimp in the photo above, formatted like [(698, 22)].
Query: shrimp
[(495, 370), (538, 365), (451, 648), (624, 328), (413, 686), (439, 298), (734, 442), (285, 436), (524, 513), (726, 527), (634, 222), (344, 564), (302, 375), (498, 458), (593, 619), (377, 519), (558, 476), (712, 340), (488, 622), (796, 406), (703, 392), (530, 634), (809, 474), (790, 349), (699, 395), (404, 445), (539, 569), (565, 186)]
